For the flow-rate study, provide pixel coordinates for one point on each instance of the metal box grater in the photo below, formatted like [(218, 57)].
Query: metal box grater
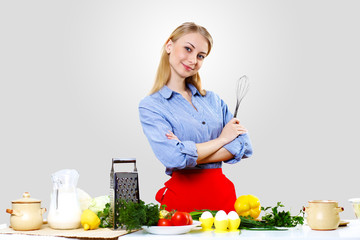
[(123, 185)]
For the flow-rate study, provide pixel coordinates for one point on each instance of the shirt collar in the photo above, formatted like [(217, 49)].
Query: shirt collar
[(193, 89), (166, 92)]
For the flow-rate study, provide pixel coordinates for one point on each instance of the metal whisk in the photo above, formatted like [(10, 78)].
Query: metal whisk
[(241, 90)]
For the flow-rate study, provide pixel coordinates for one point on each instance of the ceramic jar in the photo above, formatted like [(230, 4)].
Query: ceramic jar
[(323, 214), (26, 213)]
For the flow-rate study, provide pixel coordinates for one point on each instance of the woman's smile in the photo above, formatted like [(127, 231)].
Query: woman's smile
[(188, 68)]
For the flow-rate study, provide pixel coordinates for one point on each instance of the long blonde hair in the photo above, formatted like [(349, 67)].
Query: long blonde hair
[(163, 71)]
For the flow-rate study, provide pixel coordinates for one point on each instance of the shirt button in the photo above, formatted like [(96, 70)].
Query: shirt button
[(246, 144), (203, 122)]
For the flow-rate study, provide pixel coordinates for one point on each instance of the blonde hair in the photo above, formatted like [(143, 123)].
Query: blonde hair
[(163, 71)]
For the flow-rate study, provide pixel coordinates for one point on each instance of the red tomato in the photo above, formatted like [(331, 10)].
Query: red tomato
[(164, 222), (179, 219), (190, 220)]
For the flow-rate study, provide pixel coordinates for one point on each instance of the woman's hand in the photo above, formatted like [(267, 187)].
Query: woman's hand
[(231, 130), (171, 135)]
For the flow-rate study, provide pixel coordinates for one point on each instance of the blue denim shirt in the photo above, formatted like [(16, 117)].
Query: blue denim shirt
[(167, 110)]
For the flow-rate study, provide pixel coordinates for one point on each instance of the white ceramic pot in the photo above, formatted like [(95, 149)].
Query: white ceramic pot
[(323, 214), (26, 213)]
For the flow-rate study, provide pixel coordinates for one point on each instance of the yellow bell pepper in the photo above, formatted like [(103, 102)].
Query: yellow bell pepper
[(248, 205)]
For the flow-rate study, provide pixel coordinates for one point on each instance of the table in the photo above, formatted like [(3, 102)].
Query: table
[(350, 232)]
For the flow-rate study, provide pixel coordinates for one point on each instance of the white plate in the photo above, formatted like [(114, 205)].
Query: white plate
[(171, 229)]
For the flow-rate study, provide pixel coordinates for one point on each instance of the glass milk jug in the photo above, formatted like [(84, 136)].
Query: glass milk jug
[(64, 211)]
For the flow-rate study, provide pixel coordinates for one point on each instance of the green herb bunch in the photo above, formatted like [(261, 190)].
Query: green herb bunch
[(133, 215), (281, 218)]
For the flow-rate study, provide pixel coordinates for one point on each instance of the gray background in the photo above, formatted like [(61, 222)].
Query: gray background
[(73, 72)]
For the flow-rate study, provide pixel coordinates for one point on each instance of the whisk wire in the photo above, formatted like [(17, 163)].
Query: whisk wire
[(242, 89)]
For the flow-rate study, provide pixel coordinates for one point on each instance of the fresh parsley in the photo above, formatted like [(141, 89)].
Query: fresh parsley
[(278, 218)]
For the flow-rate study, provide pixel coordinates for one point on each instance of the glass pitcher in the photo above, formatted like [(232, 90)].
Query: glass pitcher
[(64, 211)]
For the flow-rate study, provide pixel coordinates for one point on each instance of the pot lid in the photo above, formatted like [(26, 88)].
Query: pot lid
[(26, 199), (323, 201)]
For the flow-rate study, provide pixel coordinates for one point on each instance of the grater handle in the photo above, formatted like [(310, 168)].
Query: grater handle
[(123, 160)]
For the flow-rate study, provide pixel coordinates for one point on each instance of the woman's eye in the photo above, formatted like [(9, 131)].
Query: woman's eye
[(201, 56), (188, 49)]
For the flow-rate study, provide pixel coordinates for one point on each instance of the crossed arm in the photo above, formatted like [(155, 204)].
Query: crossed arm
[(213, 150)]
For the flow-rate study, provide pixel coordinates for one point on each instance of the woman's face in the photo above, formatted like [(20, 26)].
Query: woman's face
[(187, 54)]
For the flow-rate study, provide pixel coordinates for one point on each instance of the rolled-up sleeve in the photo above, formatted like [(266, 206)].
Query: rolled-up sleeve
[(172, 153), (241, 146)]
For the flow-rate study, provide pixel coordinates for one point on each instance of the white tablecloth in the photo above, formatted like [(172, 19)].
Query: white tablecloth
[(350, 232)]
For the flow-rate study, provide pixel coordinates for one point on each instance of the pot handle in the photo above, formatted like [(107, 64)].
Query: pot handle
[(339, 209), (42, 211), (14, 212)]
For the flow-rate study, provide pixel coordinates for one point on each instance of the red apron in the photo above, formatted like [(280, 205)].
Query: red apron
[(196, 189)]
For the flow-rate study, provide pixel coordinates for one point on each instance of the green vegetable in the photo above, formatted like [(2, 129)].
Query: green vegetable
[(152, 214), (104, 216), (133, 215), (197, 214), (252, 224), (281, 218)]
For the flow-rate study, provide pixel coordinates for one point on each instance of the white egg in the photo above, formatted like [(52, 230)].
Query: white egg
[(221, 215), (233, 215), (206, 215)]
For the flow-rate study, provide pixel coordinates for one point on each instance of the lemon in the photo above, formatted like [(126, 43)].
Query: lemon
[(248, 205), (89, 220)]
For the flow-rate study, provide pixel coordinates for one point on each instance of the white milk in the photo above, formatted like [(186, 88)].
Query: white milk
[(67, 215)]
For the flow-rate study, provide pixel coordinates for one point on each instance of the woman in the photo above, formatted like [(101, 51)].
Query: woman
[(190, 130)]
